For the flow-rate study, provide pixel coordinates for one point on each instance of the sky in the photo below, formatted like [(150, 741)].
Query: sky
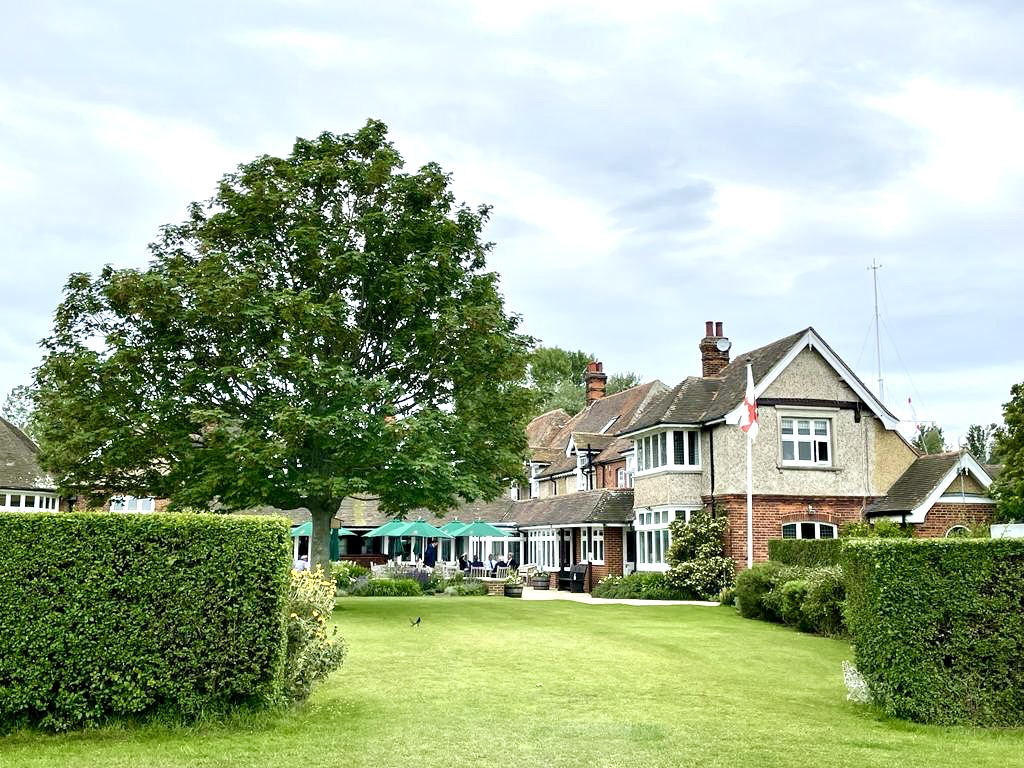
[(652, 165)]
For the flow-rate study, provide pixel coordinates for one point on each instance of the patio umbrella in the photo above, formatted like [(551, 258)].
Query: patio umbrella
[(306, 529), (397, 548), (386, 529), (420, 528), (479, 528), (453, 525)]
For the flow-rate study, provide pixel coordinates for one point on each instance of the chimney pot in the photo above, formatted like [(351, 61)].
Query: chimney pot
[(713, 359)]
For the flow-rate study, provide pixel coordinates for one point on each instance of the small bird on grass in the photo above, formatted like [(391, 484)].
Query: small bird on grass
[(415, 622)]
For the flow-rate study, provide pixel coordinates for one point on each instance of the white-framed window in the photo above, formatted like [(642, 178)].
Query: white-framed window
[(592, 544), (131, 504), (620, 478), (806, 441), (33, 501), (542, 548), (534, 482), (809, 529), (581, 472), (653, 536), (671, 449)]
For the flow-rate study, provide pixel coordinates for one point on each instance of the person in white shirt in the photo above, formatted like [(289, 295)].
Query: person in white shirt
[(302, 564)]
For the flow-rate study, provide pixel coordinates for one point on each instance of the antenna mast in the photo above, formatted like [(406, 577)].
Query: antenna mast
[(878, 342)]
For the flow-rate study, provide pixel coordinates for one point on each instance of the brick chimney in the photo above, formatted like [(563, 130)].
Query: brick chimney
[(714, 350), (595, 379)]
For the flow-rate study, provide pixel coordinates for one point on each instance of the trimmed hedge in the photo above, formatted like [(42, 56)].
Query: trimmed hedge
[(810, 599), (938, 627), (120, 615), (812, 553), (641, 585)]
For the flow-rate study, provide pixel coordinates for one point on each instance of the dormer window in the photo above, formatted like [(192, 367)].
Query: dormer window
[(670, 449)]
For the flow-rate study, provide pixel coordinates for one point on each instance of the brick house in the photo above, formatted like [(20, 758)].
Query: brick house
[(827, 447)]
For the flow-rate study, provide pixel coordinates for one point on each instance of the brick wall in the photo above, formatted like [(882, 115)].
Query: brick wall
[(942, 517), (606, 475), (771, 512)]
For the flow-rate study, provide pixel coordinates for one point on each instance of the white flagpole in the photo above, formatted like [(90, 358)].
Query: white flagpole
[(750, 506)]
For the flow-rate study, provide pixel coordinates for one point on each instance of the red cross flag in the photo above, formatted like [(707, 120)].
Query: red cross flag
[(745, 417)]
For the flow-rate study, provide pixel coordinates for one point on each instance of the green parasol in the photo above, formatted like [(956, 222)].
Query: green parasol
[(386, 529), (480, 528)]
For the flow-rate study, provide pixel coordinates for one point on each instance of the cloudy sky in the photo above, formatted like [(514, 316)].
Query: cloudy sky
[(652, 165)]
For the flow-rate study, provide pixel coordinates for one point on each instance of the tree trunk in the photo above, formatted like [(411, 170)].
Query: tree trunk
[(320, 543)]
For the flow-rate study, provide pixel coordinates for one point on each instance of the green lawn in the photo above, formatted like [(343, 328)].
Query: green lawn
[(515, 684)]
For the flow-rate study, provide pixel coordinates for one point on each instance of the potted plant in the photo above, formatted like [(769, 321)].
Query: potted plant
[(540, 580), (513, 585)]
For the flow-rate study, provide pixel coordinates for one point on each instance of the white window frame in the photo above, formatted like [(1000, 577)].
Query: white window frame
[(592, 544), (41, 502), (653, 537), (534, 482), (542, 547), (655, 452), (132, 504), (812, 439), (819, 525)]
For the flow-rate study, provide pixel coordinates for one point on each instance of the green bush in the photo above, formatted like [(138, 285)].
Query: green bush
[(345, 572), (752, 586), (812, 553), (313, 652), (465, 587), (879, 529), (773, 600), (122, 615), (791, 598), (938, 627), (386, 588), (823, 604), (640, 585), (696, 556)]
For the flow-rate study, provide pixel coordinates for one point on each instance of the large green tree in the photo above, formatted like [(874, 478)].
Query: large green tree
[(1008, 488), (979, 442), (557, 378), (323, 326)]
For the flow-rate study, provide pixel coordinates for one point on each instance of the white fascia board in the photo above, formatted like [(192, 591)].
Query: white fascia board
[(967, 463), (811, 340), (570, 447), (656, 428)]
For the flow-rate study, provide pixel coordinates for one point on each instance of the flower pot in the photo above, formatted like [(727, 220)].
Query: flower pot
[(513, 590), (540, 583)]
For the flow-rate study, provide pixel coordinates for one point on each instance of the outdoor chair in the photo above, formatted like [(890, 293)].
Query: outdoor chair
[(477, 572), (501, 572)]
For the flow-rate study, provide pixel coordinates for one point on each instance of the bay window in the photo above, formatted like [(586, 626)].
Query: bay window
[(671, 449)]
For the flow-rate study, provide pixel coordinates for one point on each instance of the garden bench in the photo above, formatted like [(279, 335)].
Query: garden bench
[(574, 578)]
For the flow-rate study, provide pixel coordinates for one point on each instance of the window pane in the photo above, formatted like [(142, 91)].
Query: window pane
[(657, 548), (787, 426), (807, 531), (15, 500), (131, 504), (30, 501), (827, 531), (804, 451), (3, 499), (820, 427), (663, 440), (693, 446), (679, 447), (789, 531), (665, 542), (803, 427), (822, 451), (787, 450)]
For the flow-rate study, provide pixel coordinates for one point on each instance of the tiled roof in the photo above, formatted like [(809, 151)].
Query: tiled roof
[(698, 400), (544, 429), (916, 484), (562, 465), (993, 470), (604, 505), (595, 441), (19, 469)]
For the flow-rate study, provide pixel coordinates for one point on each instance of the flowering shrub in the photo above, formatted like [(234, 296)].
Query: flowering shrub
[(386, 588), (313, 651), (346, 572), (697, 556)]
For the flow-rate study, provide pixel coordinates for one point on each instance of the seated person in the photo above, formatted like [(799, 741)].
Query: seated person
[(512, 563), (463, 562), (492, 564), (477, 562)]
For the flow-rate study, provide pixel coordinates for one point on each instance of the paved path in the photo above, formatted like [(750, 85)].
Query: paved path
[(582, 597)]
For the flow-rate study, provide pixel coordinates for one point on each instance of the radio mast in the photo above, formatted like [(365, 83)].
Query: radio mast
[(878, 342)]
